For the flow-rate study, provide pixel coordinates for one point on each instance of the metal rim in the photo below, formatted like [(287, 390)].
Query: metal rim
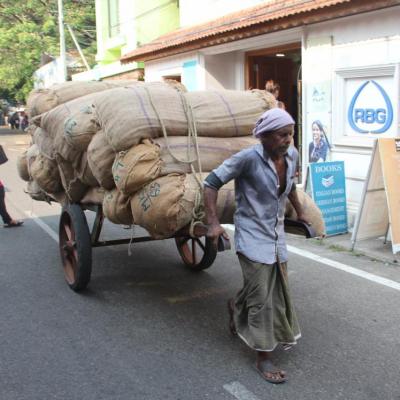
[(69, 253), (192, 250)]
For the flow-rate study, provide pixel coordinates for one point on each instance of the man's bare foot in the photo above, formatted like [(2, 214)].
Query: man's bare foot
[(268, 370)]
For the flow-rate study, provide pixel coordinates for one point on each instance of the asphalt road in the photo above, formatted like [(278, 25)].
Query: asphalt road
[(148, 329)]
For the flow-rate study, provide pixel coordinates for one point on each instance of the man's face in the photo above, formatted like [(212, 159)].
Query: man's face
[(277, 142)]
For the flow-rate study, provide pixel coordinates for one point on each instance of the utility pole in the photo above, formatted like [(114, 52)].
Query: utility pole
[(63, 60), (78, 47)]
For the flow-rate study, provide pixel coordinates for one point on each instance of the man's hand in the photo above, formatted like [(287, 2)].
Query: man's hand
[(214, 232)]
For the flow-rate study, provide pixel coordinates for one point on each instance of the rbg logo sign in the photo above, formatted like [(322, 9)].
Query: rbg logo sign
[(370, 109)]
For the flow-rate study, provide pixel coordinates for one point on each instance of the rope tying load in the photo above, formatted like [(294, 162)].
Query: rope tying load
[(198, 213)]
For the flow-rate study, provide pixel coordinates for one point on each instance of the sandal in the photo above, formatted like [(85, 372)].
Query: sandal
[(13, 224), (232, 327), (266, 366)]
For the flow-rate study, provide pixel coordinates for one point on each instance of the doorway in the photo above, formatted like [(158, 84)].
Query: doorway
[(283, 66)]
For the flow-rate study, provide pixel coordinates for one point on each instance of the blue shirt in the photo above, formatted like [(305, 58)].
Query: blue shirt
[(259, 216)]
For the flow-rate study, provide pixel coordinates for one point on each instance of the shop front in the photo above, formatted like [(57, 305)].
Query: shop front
[(337, 70)]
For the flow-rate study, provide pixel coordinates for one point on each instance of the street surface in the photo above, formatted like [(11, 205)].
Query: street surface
[(148, 329)]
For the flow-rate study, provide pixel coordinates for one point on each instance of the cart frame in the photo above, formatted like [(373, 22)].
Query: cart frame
[(76, 241)]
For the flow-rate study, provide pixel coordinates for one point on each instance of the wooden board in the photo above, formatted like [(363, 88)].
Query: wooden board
[(380, 202)]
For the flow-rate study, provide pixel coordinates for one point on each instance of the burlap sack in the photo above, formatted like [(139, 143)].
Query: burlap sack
[(136, 167), (94, 195), (156, 206), (117, 208), (31, 154), (100, 157), (74, 188), (311, 211), (77, 119), (30, 129), (44, 142), (166, 205), (22, 167), (147, 161), (213, 152), (80, 127), (84, 173), (128, 115), (36, 193), (45, 172), (42, 100), (228, 113)]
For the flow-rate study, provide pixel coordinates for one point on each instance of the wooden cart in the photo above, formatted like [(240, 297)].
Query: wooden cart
[(76, 242)]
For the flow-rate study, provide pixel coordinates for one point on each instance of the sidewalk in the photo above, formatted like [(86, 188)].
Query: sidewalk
[(374, 249)]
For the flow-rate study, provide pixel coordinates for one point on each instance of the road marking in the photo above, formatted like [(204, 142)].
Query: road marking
[(239, 391), (346, 268), (43, 225), (337, 265)]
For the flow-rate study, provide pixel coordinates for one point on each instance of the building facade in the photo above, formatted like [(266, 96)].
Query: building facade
[(122, 26), (337, 64)]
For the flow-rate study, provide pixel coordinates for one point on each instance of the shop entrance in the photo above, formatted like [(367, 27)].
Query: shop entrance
[(282, 65)]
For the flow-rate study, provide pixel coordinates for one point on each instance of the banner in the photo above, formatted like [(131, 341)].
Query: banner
[(328, 189)]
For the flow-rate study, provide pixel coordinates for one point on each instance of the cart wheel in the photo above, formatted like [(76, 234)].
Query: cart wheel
[(75, 247), (197, 253)]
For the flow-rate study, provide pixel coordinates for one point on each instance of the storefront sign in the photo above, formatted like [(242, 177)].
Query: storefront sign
[(370, 109), (328, 190)]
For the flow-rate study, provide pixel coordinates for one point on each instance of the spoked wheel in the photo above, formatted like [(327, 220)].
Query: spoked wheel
[(197, 253), (75, 247)]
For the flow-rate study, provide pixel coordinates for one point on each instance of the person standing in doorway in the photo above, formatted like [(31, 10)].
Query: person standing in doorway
[(274, 88), (261, 313)]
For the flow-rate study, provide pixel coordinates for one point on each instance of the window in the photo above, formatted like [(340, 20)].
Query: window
[(113, 18)]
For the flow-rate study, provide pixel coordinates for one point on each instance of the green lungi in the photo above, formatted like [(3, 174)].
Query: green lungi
[(263, 313)]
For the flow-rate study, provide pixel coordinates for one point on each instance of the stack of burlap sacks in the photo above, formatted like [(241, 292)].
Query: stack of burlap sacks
[(138, 149)]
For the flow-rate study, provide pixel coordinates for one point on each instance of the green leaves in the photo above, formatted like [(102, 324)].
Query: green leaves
[(29, 28)]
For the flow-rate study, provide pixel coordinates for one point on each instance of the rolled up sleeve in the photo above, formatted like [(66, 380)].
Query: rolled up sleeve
[(232, 167)]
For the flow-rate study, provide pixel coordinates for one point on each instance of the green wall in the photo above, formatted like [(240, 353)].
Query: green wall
[(155, 18)]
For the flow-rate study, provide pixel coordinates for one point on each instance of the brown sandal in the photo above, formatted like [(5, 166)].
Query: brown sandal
[(266, 366), (13, 224)]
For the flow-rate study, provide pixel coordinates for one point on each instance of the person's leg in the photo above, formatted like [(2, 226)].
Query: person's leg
[(3, 211), (258, 314)]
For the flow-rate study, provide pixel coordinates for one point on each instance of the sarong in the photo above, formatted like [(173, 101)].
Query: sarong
[(263, 311)]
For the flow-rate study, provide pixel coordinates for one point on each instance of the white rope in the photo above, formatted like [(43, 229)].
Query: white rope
[(198, 212), (130, 242)]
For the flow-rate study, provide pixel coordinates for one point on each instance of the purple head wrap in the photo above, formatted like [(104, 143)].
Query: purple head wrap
[(272, 120)]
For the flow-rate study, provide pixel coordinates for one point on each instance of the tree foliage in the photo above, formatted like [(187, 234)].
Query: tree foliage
[(29, 28)]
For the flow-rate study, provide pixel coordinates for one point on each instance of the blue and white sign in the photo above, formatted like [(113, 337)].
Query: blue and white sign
[(329, 193), (370, 109)]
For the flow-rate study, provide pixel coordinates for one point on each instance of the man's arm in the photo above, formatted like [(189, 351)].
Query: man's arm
[(294, 199), (210, 204)]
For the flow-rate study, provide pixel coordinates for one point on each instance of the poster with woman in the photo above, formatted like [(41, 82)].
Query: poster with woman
[(319, 146)]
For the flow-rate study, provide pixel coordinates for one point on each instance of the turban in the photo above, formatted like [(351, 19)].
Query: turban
[(272, 120)]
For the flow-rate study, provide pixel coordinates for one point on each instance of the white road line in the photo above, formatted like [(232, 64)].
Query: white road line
[(239, 391), (346, 268), (43, 225), (337, 265)]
